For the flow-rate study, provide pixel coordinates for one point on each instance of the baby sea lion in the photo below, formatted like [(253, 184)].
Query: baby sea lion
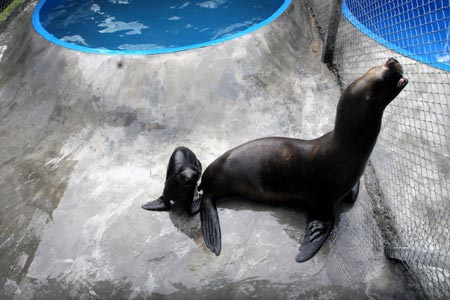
[(183, 173), (315, 174)]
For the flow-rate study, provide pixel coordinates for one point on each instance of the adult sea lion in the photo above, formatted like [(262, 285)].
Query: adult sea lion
[(315, 174), (183, 173)]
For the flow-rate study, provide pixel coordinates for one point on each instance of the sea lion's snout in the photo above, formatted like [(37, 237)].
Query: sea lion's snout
[(395, 66), (402, 82)]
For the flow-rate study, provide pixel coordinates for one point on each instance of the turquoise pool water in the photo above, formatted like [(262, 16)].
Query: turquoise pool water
[(149, 26)]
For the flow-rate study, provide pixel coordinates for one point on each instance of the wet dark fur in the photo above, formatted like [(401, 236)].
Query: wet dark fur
[(183, 173), (315, 174)]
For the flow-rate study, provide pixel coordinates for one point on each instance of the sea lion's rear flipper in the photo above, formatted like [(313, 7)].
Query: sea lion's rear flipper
[(210, 225), (352, 195), (317, 230), (159, 204)]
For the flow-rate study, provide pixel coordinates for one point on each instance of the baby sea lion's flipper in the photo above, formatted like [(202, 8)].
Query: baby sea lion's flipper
[(159, 204), (210, 225), (352, 195), (317, 230), (191, 205), (195, 206)]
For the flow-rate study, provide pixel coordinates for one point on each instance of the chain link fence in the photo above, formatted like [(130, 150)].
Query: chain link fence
[(321, 11), (412, 157)]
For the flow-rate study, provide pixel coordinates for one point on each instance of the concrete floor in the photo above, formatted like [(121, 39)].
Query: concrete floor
[(85, 141)]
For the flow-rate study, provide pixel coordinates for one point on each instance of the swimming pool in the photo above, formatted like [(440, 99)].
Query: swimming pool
[(419, 29), (150, 27)]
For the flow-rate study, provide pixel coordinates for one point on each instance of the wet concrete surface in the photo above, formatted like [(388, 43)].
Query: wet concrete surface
[(85, 140)]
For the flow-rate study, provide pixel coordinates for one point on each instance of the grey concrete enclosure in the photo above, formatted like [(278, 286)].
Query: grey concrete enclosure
[(85, 140)]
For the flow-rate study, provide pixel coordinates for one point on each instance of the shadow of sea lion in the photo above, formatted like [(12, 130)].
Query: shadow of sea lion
[(290, 216), (186, 223)]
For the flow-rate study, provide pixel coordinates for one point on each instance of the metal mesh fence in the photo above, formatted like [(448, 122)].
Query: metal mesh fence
[(412, 156), (321, 10)]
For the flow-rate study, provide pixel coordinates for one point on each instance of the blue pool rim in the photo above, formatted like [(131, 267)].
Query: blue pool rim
[(352, 19), (51, 38)]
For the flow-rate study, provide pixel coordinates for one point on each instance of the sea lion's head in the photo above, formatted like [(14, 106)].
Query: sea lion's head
[(360, 108), (380, 85)]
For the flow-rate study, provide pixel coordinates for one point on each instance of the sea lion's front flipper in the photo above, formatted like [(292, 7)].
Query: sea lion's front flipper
[(159, 204), (195, 206), (317, 230), (352, 195), (191, 203), (210, 225)]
